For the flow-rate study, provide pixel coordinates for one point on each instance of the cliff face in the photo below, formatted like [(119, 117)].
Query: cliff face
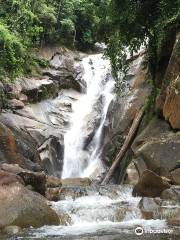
[(157, 146)]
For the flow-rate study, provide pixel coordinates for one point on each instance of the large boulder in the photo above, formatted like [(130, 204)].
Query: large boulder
[(35, 89), (19, 206), (150, 185), (157, 147)]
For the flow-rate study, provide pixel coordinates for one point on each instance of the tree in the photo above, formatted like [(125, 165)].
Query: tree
[(137, 22)]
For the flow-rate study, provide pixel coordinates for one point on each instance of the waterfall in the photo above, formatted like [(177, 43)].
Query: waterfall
[(82, 153)]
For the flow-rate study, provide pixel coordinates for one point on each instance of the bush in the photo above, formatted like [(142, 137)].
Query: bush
[(13, 53)]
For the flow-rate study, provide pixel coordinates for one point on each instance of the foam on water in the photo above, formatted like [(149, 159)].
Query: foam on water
[(78, 161)]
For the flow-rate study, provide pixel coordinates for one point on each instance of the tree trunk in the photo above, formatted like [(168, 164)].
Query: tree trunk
[(125, 146)]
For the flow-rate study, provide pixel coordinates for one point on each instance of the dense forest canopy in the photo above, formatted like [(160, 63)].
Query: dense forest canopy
[(26, 24)]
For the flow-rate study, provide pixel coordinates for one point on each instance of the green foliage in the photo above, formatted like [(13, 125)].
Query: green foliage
[(136, 23), (26, 24), (12, 55)]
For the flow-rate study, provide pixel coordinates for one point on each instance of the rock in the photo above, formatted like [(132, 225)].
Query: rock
[(53, 194), (175, 175), (99, 47), (132, 175), (70, 187), (21, 207), (150, 185), (172, 100), (155, 208), (35, 89), (157, 147), (11, 230), (36, 180), (149, 208), (172, 193), (2, 96), (76, 182), (60, 189), (9, 178), (8, 148), (164, 64), (16, 104), (38, 139), (135, 91), (172, 106), (53, 182), (23, 98)]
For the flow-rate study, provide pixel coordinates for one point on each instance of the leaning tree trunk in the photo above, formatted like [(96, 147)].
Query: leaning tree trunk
[(125, 146)]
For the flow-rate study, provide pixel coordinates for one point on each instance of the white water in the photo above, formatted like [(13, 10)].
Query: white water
[(91, 106), (113, 210)]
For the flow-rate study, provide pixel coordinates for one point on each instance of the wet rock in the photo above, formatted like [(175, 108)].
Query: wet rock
[(53, 182), (157, 147), (21, 207), (149, 207), (76, 182), (36, 180), (15, 104), (175, 175), (150, 185), (172, 193), (60, 189), (155, 208), (53, 194), (72, 192), (11, 230), (132, 175)]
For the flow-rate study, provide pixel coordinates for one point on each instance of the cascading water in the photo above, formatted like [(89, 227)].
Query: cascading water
[(83, 139)]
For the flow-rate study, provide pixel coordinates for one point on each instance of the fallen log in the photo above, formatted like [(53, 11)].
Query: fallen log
[(127, 143)]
